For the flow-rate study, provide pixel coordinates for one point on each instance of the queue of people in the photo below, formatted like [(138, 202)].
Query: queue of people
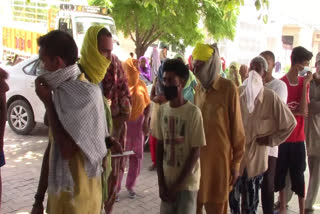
[(214, 141)]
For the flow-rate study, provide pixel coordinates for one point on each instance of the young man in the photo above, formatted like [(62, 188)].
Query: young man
[(313, 138), (218, 100), (280, 88), (267, 122), (292, 156), (180, 136), (78, 128), (60, 44)]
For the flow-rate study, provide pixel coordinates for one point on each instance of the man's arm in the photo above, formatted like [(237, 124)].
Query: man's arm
[(187, 168), (146, 123), (285, 122), (66, 144), (3, 116), (303, 109), (163, 190)]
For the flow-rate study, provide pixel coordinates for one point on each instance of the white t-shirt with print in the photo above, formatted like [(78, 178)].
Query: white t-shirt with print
[(180, 129)]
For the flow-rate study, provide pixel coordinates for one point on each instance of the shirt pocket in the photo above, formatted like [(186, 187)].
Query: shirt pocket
[(264, 127)]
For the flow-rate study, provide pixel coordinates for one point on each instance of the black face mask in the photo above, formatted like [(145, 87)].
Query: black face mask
[(170, 92)]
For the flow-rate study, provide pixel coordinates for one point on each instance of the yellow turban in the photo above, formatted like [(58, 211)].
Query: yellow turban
[(202, 52), (94, 64)]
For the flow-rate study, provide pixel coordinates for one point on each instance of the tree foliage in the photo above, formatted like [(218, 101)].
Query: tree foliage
[(175, 21)]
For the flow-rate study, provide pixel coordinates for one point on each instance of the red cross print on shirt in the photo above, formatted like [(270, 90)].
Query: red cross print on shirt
[(173, 140)]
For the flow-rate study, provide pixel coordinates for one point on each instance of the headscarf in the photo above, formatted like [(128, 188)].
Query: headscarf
[(253, 86), (202, 52), (139, 94), (145, 72), (94, 64), (211, 68), (155, 58)]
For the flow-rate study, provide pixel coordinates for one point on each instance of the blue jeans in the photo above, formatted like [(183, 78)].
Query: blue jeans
[(248, 189)]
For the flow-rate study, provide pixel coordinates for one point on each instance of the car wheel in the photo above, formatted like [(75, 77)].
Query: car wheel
[(20, 117)]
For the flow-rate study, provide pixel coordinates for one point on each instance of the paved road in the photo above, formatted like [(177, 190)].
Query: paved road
[(21, 173)]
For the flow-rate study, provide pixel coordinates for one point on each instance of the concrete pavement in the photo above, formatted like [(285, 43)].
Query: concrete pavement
[(21, 174)]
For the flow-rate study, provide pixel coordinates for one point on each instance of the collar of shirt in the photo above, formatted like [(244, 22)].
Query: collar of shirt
[(215, 85)]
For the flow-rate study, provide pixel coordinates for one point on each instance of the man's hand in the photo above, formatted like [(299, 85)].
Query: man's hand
[(263, 141), (146, 127), (163, 192), (116, 147), (234, 176), (308, 78), (159, 99), (37, 208), (43, 91)]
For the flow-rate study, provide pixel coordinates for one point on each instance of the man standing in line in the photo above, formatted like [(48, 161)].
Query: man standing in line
[(292, 155), (218, 100), (280, 88), (313, 138), (180, 136), (78, 128)]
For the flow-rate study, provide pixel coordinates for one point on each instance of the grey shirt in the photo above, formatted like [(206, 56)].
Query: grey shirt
[(312, 125)]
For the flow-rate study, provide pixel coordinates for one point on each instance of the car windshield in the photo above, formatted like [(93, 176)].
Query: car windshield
[(84, 23)]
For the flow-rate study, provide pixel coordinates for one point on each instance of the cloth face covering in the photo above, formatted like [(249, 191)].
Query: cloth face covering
[(253, 86), (80, 109), (94, 64)]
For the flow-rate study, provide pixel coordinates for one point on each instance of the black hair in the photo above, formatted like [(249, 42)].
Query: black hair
[(59, 43), (178, 67), (268, 54), (132, 54), (104, 32), (299, 55)]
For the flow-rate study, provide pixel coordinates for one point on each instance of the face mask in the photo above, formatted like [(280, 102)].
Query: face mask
[(304, 71), (170, 92), (42, 71)]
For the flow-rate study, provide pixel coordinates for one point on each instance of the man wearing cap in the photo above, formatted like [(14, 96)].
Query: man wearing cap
[(218, 100), (312, 130)]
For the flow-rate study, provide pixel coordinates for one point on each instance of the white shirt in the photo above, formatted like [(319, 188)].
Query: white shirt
[(281, 90)]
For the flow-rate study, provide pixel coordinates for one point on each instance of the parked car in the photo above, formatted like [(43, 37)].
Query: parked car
[(25, 109)]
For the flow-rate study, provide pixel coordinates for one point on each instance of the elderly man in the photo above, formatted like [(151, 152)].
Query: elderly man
[(267, 122), (312, 130), (219, 103)]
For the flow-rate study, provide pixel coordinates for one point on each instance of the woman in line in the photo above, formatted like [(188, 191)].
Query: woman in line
[(138, 124)]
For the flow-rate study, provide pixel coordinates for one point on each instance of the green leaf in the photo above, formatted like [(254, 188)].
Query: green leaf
[(257, 4), (265, 19)]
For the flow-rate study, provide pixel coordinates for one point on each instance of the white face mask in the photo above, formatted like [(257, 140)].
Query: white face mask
[(304, 71), (42, 70)]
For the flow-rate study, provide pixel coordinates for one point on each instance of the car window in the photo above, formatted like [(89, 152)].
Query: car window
[(31, 68)]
